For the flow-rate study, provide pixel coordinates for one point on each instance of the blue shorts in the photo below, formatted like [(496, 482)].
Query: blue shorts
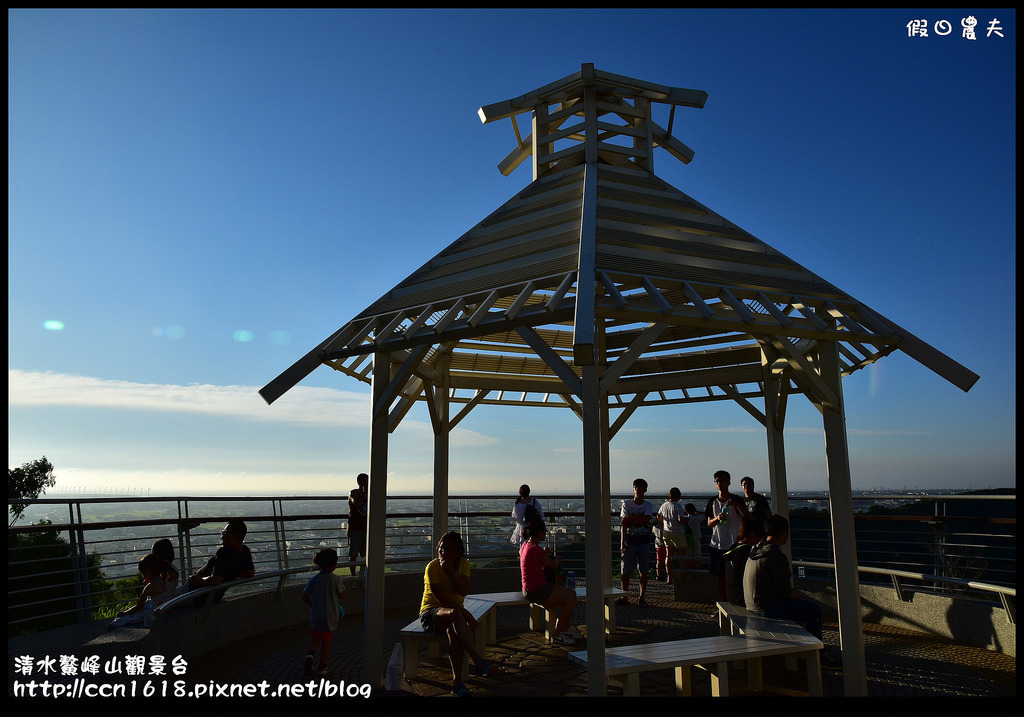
[(636, 556)]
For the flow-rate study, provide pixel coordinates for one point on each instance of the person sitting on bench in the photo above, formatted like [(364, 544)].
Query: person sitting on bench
[(768, 585)]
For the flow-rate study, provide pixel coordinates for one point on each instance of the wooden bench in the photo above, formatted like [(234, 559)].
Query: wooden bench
[(736, 620), (628, 661), (415, 635), (545, 623)]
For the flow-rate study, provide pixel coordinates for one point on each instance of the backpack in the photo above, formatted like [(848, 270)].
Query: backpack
[(531, 514)]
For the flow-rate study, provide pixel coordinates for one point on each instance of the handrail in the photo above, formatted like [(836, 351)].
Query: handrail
[(282, 537), (191, 595), (1001, 590)]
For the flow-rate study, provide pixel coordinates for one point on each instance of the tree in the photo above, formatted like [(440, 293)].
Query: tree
[(27, 482)]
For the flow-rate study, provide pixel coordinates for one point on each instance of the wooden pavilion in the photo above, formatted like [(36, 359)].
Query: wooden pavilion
[(601, 289)]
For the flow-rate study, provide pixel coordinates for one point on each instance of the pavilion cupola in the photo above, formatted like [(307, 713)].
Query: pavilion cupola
[(593, 116)]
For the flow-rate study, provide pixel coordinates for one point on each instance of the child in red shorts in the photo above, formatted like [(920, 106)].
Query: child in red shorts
[(322, 594)]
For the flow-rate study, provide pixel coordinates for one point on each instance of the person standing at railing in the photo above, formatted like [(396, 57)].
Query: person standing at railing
[(442, 611), (693, 546), (672, 519), (635, 542), (357, 520), (757, 505), (725, 525), (232, 561), (524, 510)]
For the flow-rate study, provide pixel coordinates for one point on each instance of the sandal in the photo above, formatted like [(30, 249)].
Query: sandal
[(622, 601), (641, 603), (460, 690)]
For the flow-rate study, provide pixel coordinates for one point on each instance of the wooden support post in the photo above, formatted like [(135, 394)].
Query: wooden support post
[(775, 419), (376, 511), (844, 541), (442, 443), (595, 516)]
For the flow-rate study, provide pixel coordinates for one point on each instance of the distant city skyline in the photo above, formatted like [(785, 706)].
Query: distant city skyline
[(199, 197)]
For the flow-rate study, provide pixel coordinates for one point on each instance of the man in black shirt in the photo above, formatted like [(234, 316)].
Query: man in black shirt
[(232, 560)]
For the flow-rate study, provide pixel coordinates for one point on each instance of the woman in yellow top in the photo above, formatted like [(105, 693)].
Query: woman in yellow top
[(445, 586)]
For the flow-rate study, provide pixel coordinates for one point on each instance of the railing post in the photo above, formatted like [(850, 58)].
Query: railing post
[(897, 586), (279, 539), (80, 569)]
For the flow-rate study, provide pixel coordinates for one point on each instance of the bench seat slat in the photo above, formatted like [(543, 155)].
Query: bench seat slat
[(628, 661)]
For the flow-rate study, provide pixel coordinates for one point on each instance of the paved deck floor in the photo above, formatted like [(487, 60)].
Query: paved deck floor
[(910, 671)]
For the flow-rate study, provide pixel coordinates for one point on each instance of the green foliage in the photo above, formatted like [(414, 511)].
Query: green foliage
[(124, 596), (28, 482), (41, 582)]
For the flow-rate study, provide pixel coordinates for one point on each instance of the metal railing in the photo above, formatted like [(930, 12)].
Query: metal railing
[(73, 571)]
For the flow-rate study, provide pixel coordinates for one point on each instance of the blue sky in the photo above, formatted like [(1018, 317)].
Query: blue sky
[(198, 198)]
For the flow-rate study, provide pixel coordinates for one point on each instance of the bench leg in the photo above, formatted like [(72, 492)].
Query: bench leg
[(720, 680), (490, 627), (609, 616), (814, 674), (480, 638), (683, 687), (631, 684), (535, 613), (412, 647), (754, 676)]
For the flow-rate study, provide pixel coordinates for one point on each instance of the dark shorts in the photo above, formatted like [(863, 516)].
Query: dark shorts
[(428, 618), (540, 595), (717, 564), (356, 544)]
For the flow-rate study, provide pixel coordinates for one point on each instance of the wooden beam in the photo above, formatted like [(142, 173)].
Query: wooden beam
[(630, 355), (697, 301), (804, 372), (473, 403), (552, 359), (626, 412), (747, 406), (584, 317)]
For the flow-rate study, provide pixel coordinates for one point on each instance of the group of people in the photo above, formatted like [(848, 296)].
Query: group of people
[(160, 577), (745, 554)]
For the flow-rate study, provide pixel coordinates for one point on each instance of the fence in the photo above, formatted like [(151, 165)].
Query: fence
[(79, 566)]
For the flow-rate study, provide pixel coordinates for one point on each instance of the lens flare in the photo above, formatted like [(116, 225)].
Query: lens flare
[(280, 338), (53, 325), (243, 336)]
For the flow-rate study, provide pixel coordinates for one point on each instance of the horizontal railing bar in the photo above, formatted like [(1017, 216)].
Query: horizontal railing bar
[(916, 576)]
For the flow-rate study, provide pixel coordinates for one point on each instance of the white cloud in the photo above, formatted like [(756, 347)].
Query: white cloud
[(325, 407), (320, 406)]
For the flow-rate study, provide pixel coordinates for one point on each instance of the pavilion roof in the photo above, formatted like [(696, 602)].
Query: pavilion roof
[(687, 306)]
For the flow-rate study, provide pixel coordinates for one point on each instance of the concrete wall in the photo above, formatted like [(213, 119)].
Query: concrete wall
[(970, 622), (193, 631)]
